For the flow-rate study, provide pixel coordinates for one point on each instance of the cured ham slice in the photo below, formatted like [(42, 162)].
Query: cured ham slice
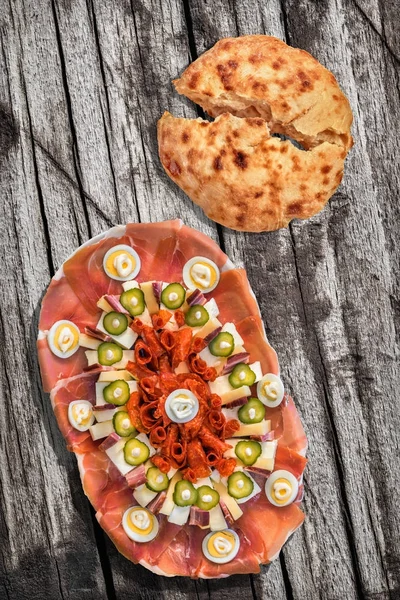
[(278, 523), (255, 342), (287, 426), (80, 387), (59, 303), (235, 297), (166, 360)]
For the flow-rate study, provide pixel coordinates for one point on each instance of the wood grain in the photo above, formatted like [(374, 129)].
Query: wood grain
[(82, 84)]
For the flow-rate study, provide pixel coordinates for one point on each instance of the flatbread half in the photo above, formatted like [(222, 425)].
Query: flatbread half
[(244, 178), (261, 76)]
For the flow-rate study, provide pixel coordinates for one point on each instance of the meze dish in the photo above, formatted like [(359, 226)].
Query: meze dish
[(165, 387), (236, 168)]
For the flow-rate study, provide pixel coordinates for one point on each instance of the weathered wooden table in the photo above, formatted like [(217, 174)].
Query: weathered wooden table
[(82, 86)]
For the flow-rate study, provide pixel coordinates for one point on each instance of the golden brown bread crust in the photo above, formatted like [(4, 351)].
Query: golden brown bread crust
[(261, 76), (242, 177)]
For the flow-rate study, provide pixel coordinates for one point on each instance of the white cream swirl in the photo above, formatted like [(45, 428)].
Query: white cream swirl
[(123, 265), (181, 406), (140, 519), (222, 545), (201, 274)]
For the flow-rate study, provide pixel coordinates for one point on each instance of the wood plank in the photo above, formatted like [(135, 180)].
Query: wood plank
[(47, 535), (322, 291)]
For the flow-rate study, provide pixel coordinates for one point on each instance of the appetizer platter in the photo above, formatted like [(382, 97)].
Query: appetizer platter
[(165, 387)]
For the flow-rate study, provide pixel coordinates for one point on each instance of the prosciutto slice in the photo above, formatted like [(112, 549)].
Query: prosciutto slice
[(80, 387)]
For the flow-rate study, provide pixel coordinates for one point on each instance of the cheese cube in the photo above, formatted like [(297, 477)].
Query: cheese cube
[(130, 285), (143, 495), (149, 297), (217, 362), (101, 430), (267, 459), (230, 328), (256, 368), (217, 519), (114, 375), (116, 455), (230, 502), (179, 515), (253, 429), (212, 308), (103, 305), (169, 504), (235, 394), (209, 327), (221, 385), (86, 341)]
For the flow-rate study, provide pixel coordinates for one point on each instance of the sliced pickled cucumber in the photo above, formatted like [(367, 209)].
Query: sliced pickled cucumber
[(207, 497), (115, 323), (109, 353), (122, 424), (173, 296), (136, 452), (222, 345), (252, 412), (196, 316), (185, 494), (117, 392), (242, 375), (133, 301), (239, 485), (157, 481), (248, 451)]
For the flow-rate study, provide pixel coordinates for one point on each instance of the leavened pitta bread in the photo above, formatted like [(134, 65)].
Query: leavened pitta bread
[(261, 76), (242, 177)]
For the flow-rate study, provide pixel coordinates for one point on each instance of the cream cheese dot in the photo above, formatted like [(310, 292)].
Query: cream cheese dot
[(207, 498), (224, 345), (159, 479), (185, 495), (135, 452), (172, 296), (248, 452), (109, 354), (252, 413), (240, 484)]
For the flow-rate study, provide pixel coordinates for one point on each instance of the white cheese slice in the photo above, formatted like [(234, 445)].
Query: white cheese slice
[(253, 429), (179, 515), (221, 385), (212, 308), (100, 385), (130, 285), (149, 297), (116, 455), (209, 327), (230, 502), (217, 519), (114, 375), (169, 504), (143, 495), (235, 394), (182, 368), (215, 476), (103, 305), (256, 368), (217, 362), (127, 356), (126, 339), (101, 430), (267, 459), (230, 328), (145, 317), (203, 481), (86, 341), (256, 490), (230, 413), (104, 415)]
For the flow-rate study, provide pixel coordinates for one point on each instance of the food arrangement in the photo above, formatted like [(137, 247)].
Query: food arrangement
[(165, 387), (235, 168)]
